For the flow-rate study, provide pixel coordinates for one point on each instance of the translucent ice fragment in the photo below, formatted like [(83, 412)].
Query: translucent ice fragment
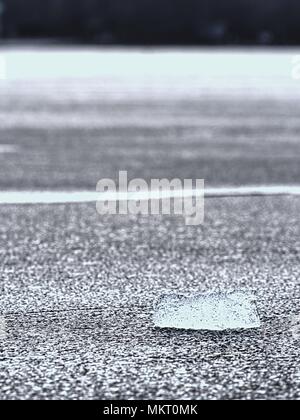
[(214, 312)]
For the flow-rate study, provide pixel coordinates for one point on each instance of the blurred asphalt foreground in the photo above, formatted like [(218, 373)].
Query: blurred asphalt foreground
[(78, 289)]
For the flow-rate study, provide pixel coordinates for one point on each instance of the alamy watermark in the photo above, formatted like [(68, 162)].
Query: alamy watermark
[(158, 197), (296, 67)]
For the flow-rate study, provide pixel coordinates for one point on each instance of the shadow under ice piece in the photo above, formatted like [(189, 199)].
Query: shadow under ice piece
[(214, 312)]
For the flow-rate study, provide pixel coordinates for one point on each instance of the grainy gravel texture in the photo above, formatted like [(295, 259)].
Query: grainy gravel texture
[(79, 293), (78, 290)]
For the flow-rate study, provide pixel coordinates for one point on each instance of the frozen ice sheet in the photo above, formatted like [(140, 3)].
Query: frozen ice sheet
[(214, 312)]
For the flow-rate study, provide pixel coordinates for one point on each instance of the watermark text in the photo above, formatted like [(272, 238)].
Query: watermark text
[(157, 197)]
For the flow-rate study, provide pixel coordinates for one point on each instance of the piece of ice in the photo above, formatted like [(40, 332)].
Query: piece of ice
[(214, 312)]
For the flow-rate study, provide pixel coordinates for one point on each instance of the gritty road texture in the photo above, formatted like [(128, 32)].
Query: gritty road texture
[(79, 295), (78, 290)]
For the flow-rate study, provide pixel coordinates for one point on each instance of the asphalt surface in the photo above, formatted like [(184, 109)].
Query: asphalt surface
[(78, 290), (79, 294), (230, 143)]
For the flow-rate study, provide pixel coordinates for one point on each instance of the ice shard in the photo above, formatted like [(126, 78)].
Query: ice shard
[(213, 311)]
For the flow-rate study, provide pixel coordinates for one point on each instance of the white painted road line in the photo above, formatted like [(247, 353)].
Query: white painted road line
[(64, 197)]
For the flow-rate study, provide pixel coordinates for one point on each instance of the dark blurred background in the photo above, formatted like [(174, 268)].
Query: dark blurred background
[(153, 22)]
